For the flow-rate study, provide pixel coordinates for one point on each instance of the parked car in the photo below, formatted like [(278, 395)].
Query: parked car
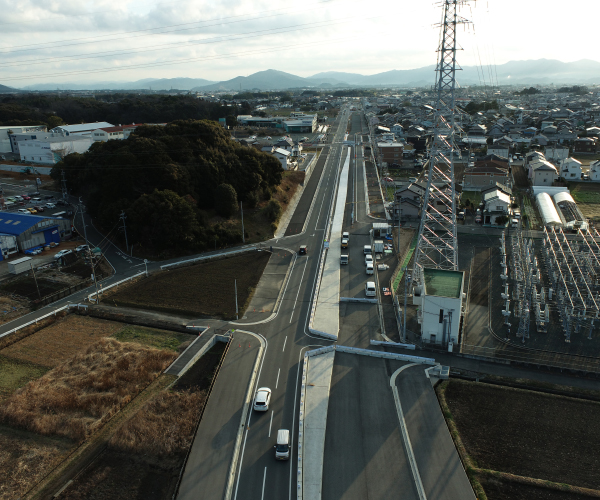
[(35, 193), (62, 253), (24, 211), (26, 198), (82, 248), (62, 203), (48, 197), (50, 205), (344, 243), (32, 210), (39, 209), (36, 199), (262, 399)]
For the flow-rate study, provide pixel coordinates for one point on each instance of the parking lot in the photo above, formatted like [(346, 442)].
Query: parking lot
[(25, 198)]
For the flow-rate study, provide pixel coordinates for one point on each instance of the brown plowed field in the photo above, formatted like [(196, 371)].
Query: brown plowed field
[(199, 291), (528, 433)]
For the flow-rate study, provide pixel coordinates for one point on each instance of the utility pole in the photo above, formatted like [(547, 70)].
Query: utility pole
[(123, 217), (35, 279), (63, 183), (236, 302), (243, 235), (89, 250)]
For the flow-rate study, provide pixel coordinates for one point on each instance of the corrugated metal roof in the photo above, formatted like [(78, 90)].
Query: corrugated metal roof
[(15, 224)]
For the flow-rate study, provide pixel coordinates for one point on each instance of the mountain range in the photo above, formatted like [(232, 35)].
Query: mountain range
[(539, 71)]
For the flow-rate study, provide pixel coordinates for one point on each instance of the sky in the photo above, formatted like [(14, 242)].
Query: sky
[(82, 41)]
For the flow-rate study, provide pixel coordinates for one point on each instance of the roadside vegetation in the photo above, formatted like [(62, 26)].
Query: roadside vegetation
[(523, 444)]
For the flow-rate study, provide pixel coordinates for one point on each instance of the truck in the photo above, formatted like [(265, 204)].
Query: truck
[(378, 246)]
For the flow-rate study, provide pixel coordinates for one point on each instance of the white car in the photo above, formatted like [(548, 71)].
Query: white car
[(262, 399), (62, 253), (82, 248), (368, 259), (369, 268), (50, 205)]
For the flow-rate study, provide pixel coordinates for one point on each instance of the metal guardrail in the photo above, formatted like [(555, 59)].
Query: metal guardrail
[(35, 321), (208, 257), (103, 289)]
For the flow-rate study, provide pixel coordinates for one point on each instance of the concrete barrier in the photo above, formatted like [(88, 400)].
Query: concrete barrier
[(358, 300)]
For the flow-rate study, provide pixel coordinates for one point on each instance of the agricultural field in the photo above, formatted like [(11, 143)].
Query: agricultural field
[(144, 457), (61, 384), (587, 197), (204, 290), (546, 441)]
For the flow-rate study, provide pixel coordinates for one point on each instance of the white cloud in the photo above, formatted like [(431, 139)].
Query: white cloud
[(344, 35)]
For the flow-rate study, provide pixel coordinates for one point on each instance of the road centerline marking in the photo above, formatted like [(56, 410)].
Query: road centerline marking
[(284, 342), (298, 292), (271, 424), (277, 382)]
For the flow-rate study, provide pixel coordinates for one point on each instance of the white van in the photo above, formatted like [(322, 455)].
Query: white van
[(282, 449), (343, 259), (369, 267), (370, 289), (367, 249)]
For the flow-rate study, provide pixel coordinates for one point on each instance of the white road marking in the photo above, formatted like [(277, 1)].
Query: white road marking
[(277, 382), (298, 292), (271, 424), (284, 342), (264, 479)]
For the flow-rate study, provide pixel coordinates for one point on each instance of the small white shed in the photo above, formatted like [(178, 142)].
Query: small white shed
[(21, 265)]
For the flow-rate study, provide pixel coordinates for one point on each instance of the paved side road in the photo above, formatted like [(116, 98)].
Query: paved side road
[(207, 469), (441, 470)]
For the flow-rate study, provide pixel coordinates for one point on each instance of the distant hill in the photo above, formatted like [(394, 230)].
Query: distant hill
[(539, 71), (269, 79), (145, 84), (4, 88)]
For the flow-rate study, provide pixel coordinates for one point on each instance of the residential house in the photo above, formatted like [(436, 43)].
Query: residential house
[(391, 152), (584, 145), (484, 174), (556, 153), (542, 173), (408, 201), (570, 169), (397, 130), (284, 157), (497, 204), (595, 171)]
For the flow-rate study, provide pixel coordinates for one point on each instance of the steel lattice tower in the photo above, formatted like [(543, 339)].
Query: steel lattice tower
[(437, 245)]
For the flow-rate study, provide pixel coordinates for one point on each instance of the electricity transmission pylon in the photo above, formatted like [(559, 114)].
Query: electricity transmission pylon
[(436, 245)]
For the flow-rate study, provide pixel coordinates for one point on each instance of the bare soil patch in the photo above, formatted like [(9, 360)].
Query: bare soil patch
[(203, 290), (528, 433), (12, 308), (78, 396), (502, 489), (57, 343), (520, 176)]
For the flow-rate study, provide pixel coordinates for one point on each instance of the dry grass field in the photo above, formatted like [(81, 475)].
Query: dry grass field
[(77, 396), (202, 290), (12, 308), (587, 196), (24, 459), (56, 343), (539, 437)]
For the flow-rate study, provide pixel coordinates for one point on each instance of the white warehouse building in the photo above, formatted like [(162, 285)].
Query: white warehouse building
[(51, 150)]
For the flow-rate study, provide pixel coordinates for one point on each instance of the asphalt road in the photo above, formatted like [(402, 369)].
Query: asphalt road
[(364, 450), (260, 476)]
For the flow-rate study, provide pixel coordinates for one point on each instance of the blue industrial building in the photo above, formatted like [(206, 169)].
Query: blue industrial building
[(33, 231)]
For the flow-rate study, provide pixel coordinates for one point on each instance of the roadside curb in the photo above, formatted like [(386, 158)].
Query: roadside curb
[(242, 427)]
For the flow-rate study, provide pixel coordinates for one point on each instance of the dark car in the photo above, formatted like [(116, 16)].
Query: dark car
[(303, 250), (39, 209), (62, 203), (48, 197), (33, 194)]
